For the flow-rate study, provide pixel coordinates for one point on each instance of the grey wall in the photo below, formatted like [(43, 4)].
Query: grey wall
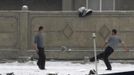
[(17, 29)]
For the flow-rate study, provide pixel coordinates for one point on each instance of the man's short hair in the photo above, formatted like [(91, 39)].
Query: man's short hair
[(114, 31), (40, 28)]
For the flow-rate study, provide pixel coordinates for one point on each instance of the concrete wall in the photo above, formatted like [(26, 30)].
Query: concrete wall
[(17, 29)]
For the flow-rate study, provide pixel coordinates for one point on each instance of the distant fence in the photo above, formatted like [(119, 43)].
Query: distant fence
[(17, 29)]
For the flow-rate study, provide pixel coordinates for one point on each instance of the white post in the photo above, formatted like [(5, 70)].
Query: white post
[(87, 4), (100, 5), (95, 53), (113, 5)]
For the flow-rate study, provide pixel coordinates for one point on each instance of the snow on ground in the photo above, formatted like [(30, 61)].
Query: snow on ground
[(60, 67)]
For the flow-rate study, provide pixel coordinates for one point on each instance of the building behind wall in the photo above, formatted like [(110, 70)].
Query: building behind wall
[(38, 5), (112, 4), (71, 5)]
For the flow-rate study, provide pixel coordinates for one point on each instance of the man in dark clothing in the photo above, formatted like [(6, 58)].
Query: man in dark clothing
[(39, 47), (111, 44)]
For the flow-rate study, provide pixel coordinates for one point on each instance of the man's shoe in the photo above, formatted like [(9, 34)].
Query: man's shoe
[(43, 69), (92, 59), (109, 69)]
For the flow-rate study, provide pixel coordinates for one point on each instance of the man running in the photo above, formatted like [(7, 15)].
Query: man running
[(110, 45), (39, 47)]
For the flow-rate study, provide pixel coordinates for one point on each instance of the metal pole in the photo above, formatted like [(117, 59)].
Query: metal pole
[(100, 5), (87, 4), (95, 54), (113, 5)]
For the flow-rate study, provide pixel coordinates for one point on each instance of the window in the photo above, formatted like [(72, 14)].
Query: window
[(106, 5), (125, 5), (94, 4), (101, 4)]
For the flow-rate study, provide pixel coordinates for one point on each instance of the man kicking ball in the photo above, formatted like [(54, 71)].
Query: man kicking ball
[(110, 45)]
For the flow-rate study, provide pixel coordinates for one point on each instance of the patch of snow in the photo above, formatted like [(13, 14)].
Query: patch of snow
[(61, 68)]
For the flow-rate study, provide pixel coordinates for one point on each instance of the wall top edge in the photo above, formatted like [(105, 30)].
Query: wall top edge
[(72, 13), (66, 11)]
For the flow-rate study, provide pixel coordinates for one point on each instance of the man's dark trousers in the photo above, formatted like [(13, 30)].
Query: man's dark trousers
[(104, 55), (42, 58)]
